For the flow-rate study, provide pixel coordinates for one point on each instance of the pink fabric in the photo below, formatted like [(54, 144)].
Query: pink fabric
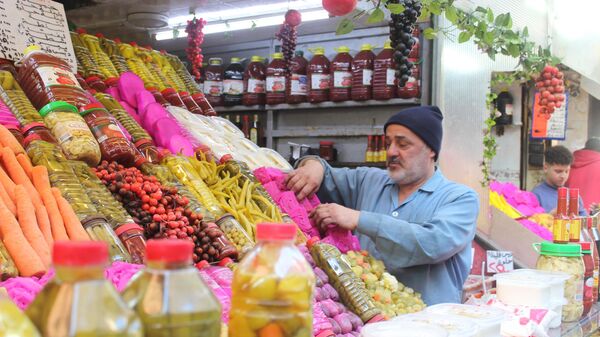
[(274, 182), (221, 294)]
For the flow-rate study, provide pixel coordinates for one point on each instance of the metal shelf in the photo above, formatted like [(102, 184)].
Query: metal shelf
[(326, 132), (324, 105)]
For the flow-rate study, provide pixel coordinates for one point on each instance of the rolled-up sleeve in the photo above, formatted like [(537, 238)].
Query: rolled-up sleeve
[(409, 244)]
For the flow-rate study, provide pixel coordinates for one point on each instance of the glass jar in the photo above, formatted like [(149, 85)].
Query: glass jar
[(99, 230), (132, 236), (173, 97), (41, 130), (113, 143), (189, 102), (160, 99), (148, 150), (272, 287), (236, 234), (71, 131), (565, 258), (16, 132), (96, 83)]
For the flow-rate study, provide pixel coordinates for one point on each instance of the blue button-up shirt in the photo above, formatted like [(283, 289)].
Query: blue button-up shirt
[(425, 241)]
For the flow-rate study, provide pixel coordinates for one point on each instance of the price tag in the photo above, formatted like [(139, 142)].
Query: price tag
[(499, 261)]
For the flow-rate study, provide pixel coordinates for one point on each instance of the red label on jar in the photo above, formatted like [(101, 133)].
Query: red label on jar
[(105, 128)]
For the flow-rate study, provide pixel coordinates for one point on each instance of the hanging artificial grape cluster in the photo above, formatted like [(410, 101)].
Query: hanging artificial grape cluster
[(195, 39), (288, 34), (551, 87), (401, 28)]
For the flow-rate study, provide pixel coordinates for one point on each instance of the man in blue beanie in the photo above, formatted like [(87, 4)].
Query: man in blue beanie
[(419, 223)]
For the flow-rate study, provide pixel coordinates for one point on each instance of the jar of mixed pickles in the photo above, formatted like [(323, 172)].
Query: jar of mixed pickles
[(40, 130), (566, 258), (71, 131)]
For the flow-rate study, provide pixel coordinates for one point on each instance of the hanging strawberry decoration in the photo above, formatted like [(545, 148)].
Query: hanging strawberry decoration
[(195, 39), (551, 88), (339, 7), (288, 34)]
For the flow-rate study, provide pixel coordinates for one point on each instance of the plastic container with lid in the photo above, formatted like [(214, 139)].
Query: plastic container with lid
[(46, 78), (318, 73), (272, 287), (72, 132), (402, 329), (297, 90), (384, 74), (233, 83), (15, 99), (79, 288), (169, 295), (100, 230), (362, 73), (236, 234), (190, 103), (276, 80), (488, 319), (213, 83), (566, 258), (254, 82), (114, 146), (341, 68), (456, 326)]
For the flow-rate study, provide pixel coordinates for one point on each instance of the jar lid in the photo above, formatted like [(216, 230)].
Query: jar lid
[(387, 44), (235, 60), (142, 141), (140, 160), (184, 93), (167, 250), (30, 138), (197, 95), (215, 61), (100, 35), (275, 231), (318, 50), (91, 79), (343, 49), (256, 58), (31, 48), (277, 56), (366, 46), (326, 143), (91, 107), (202, 264), (586, 247), (559, 249), (117, 40), (151, 89), (226, 158), (50, 107), (573, 193), (111, 81), (312, 241), (126, 227), (225, 262), (79, 253), (168, 91)]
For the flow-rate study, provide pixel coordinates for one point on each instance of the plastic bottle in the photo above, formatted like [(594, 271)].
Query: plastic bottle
[(297, 90), (272, 287), (276, 80), (318, 73), (169, 295), (254, 82), (46, 78), (384, 74), (362, 73), (341, 67), (79, 301), (412, 88), (588, 236), (559, 225), (213, 83), (233, 83), (575, 229), (13, 322)]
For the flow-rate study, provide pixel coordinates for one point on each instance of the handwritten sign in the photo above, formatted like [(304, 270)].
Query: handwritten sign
[(39, 22), (553, 128), (499, 261)]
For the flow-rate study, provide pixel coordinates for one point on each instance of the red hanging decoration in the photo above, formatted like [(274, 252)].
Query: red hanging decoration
[(288, 34), (195, 39)]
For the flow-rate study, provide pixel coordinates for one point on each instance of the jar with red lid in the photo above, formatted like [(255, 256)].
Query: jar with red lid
[(96, 83), (113, 143), (189, 102), (132, 237), (326, 150), (160, 99), (224, 246), (172, 97), (40, 130), (213, 82), (412, 88), (204, 104), (16, 132), (148, 150)]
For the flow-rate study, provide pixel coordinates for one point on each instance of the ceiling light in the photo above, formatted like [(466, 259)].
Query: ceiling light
[(267, 21)]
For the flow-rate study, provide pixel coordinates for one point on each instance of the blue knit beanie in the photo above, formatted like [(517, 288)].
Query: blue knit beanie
[(424, 121)]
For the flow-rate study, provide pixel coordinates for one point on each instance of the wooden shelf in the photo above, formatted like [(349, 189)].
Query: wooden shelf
[(324, 105)]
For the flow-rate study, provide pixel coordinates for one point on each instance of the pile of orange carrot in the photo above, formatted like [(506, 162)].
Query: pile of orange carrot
[(32, 213)]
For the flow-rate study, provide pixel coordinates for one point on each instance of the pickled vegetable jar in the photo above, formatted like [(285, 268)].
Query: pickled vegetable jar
[(272, 287), (7, 265), (40, 130), (565, 258), (132, 236), (169, 295), (13, 322), (99, 230), (79, 301), (46, 78), (71, 131), (114, 146), (14, 97)]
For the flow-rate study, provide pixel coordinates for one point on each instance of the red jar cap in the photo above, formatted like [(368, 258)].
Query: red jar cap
[(93, 106), (111, 81), (81, 31), (312, 241), (79, 253), (562, 192), (275, 231), (141, 160), (225, 262), (168, 250), (100, 35), (92, 79), (12, 127), (30, 126), (126, 227), (184, 93), (142, 142), (326, 143), (168, 91), (586, 246), (202, 264), (117, 40), (30, 139), (197, 95), (152, 89), (134, 44), (226, 158)]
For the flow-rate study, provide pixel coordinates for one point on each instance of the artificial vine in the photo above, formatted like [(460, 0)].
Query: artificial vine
[(492, 34)]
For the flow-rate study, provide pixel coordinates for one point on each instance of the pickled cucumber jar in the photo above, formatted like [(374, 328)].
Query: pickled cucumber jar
[(99, 230), (566, 258), (272, 288), (71, 131)]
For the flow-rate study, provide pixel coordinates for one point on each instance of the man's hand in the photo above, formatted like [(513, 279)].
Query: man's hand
[(326, 214), (306, 180)]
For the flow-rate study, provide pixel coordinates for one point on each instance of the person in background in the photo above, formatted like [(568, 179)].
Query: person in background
[(585, 173), (414, 219), (557, 164)]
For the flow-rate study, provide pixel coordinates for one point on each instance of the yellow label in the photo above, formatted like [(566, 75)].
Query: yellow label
[(574, 230), (369, 157), (559, 231)]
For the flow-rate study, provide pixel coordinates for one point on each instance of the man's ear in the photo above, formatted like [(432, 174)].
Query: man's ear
[(545, 167)]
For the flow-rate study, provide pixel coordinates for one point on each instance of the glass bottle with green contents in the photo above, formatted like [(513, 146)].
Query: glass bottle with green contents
[(170, 297), (272, 287), (79, 301)]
